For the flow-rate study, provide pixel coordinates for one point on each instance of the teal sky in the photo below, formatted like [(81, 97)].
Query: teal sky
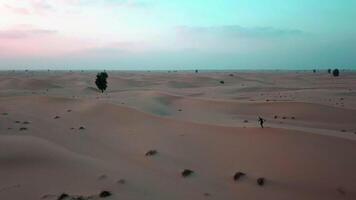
[(177, 34)]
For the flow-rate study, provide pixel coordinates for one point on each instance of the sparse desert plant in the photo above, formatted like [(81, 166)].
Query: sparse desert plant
[(329, 71), (238, 175), (261, 181), (104, 194), (151, 153), (187, 172), (336, 72), (101, 81), (222, 82), (63, 196)]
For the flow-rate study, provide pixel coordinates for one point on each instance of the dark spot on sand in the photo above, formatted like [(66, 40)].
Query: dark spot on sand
[(23, 129), (341, 191), (63, 196), (238, 175), (121, 181), (207, 194), (102, 177), (81, 128), (56, 117), (261, 181), (151, 153), (187, 172), (104, 194)]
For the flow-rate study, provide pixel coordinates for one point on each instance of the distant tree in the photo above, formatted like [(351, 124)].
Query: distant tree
[(314, 70), (329, 71), (101, 82), (196, 71), (336, 72)]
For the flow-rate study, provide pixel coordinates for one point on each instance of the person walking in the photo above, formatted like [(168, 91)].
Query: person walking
[(261, 121)]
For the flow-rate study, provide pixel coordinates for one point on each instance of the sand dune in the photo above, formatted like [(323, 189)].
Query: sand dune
[(205, 133)]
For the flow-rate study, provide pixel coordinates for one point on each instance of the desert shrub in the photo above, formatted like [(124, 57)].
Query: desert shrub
[(336, 72), (187, 172), (238, 175), (151, 153), (105, 194), (261, 181)]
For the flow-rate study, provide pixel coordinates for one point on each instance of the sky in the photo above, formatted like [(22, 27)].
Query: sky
[(177, 34)]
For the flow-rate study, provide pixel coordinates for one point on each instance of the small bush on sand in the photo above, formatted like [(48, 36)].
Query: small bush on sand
[(187, 172), (336, 72), (63, 196), (238, 175), (104, 194), (151, 153), (261, 181)]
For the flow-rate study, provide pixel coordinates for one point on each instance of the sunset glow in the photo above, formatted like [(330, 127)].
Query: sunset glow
[(136, 34)]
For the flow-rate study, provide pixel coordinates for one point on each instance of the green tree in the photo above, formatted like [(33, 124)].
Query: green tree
[(101, 81)]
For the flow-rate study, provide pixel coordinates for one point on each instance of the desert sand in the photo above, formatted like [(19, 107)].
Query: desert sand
[(59, 134)]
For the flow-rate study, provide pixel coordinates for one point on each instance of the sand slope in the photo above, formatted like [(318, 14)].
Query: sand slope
[(199, 127)]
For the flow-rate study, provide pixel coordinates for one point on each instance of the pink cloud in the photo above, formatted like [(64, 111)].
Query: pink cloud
[(19, 34), (17, 10), (25, 41), (27, 8)]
